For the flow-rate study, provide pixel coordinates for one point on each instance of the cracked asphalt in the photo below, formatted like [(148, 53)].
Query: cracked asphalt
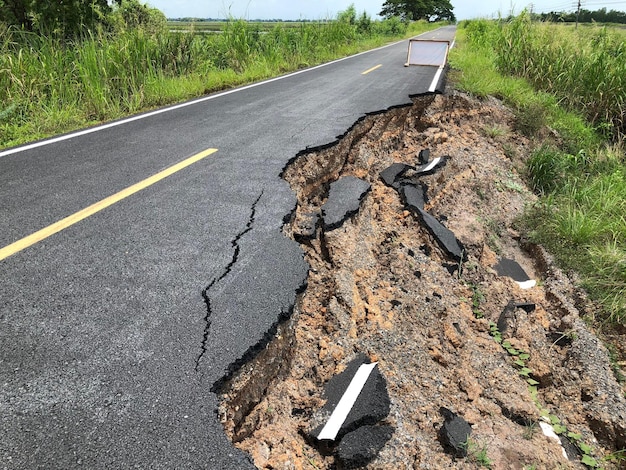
[(114, 330)]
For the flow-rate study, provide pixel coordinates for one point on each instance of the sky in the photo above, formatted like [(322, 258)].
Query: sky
[(322, 9)]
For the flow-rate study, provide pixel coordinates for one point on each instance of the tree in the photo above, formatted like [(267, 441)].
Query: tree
[(15, 12), (585, 16), (412, 10), (347, 16), (67, 17), (132, 14)]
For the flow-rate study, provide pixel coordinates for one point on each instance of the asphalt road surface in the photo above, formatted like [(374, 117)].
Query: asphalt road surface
[(114, 329)]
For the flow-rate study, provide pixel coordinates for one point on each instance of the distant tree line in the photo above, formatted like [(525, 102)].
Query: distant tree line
[(187, 19), (71, 18), (585, 16)]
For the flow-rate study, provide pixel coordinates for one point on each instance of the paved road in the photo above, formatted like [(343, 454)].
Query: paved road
[(106, 354)]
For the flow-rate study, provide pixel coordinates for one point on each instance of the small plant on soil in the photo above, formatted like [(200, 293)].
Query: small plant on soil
[(520, 359), (477, 453), (529, 430), (494, 131), (477, 298)]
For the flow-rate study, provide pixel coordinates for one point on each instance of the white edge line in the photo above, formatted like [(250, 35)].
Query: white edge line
[(433, 85), (54, 140), (527, 284), (432, 164), (340, 413)]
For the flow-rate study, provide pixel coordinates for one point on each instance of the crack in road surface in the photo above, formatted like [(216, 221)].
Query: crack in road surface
[(227, 270)]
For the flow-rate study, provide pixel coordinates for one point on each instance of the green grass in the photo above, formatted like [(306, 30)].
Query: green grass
[(579, 169), (477, 454), (49, 86)]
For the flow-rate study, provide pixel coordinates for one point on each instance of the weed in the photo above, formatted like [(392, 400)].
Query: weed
[(495, 333), (311, 461), (529, 430), (546, 169), (477, 454), (509, 184), (494, 232), (615, 366), (530, 119), (509, 150), (616, 457), (477, 298), (494, 131), (567, 336), (586, 450), (520, 360), (480, 192)]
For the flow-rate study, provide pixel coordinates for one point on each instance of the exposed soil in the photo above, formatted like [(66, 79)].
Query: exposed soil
[(380, 285)]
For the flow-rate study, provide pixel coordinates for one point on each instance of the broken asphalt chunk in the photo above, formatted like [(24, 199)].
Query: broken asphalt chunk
[(507, 317), (306, 226), (360, 447), (445, 238), (424, 156), (413, 196), (511, 268), (454, 432), (390, 175), (356, 397), (344, 200), (430, 167)]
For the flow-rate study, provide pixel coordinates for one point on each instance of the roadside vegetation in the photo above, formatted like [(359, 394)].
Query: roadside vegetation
[(55, 82), (573, 83)]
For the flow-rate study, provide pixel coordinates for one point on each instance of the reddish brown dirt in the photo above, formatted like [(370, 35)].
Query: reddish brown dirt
[(379, 285)]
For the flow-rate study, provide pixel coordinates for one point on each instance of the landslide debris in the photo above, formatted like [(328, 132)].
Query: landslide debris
[(381, 286)]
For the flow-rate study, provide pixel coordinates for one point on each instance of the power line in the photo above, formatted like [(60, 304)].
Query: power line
[(559, 6), (607, 3), (569, 6)]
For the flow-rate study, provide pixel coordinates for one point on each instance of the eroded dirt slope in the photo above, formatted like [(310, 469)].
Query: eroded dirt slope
[(380, 285)]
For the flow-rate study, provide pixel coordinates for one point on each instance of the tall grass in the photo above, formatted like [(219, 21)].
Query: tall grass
[(580, 175), (584, 68), (49, 85), (582, 218)]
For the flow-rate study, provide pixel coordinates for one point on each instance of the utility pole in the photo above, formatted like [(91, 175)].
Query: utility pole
[(578, 13)]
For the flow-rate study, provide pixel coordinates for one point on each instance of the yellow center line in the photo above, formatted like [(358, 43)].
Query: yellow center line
[(372, 69), (98, 206)]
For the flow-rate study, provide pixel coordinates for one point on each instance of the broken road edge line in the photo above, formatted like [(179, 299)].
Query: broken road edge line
[(341, 411)]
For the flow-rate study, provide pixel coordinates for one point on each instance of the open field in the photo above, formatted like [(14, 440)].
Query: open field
[(211, 26)]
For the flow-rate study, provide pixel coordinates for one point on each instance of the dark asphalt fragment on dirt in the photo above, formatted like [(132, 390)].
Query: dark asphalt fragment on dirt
[(445, 238), (391, 174), (413, 196), (371, 406), (344, 200), (454, 433), (507, 317), (512, 269), (360, 447)]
